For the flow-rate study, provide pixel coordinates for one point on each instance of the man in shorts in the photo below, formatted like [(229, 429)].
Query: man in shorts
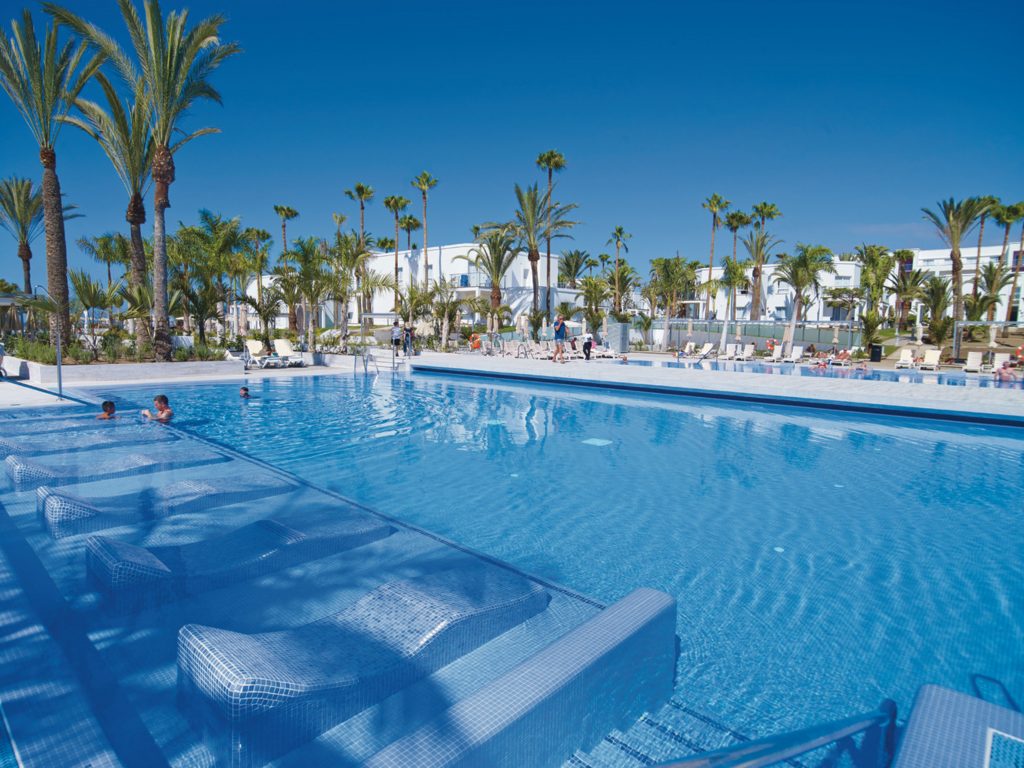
[(560, 332), (396, 337)]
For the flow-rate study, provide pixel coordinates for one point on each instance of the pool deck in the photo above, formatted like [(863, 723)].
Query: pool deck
[(929, 400)]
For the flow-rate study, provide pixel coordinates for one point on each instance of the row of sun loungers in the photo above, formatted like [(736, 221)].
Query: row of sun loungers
[(262, 694), (284, 355)]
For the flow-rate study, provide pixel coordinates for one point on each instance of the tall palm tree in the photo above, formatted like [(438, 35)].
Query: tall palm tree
[(994, 278), (734, 222), (409, 224), (759, 245), (953, 221), (595, 293), (108, 249), (571, 265), (362, 194), (991, 204), (43, 79), (21, 214), (876, 266), (286, 213), (175, 63), (424, 183), (494, 256), (124, 135), (348, 259), (619, 237), (802, 272), (550, 161), (623, 280), (591, 263), (765, 212), (716, 205), (396, 204), (1005, 216), (906, 285), (603, 259), (256, 250), (537, 218), (339, 219), (672, 278), (733, 278)]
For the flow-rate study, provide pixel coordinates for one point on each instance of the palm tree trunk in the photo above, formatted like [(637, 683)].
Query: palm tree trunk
[(163, 177), (755, 301), (1006, 245), (56, 246), (396, 261), (536, 279), (547, 291), (25, 254), (711, 266), (725, 322), (495, 295), (137, 279), (426, 267), (977, 259), (792, 324), (615, 301), (1011, 304), (958, 288)]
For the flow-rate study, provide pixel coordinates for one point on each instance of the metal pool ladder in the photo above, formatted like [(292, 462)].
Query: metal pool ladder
[(775, 749)]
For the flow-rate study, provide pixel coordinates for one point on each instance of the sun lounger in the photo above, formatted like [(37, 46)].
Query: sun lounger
[(842, 360), (65, 514), (906, 359), (286, 352), (687, 350), (747, 353), (267, 693), (131, 574), (795, 356), (975, 362), (729, 353), (29, 473), (998, 359), (931, 360), (102, 436), (775, 356), (705, 351), (261, 360)]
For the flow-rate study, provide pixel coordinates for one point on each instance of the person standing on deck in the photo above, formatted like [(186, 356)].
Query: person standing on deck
[(559, 328)]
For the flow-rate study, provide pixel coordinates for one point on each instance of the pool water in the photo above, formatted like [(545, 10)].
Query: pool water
[(822, 561)]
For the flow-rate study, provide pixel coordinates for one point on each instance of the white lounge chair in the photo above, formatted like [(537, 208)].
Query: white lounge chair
[(260, 359), (729, 353), (975, 362), (747, 353), (931, 360), (843, 360), (704, 351), (998, 359), (287, 353), (775, 356), (795, 356), (687, 350), (906, 359)]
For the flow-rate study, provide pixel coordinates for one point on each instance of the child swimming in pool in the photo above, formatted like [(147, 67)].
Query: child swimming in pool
[(109, 410)]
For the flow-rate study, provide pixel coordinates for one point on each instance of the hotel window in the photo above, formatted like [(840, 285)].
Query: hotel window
[(1017, 260), (526, 274)]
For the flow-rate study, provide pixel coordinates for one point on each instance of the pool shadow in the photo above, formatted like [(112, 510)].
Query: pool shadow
[(1002, 697)]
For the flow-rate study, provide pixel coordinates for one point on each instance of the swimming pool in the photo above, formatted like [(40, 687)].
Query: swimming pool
[(832, 372), (821, 561)]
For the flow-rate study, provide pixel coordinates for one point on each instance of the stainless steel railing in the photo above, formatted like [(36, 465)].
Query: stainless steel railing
[(775, 749)]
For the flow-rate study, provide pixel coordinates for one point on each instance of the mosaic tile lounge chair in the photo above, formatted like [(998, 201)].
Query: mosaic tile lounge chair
[(29, 473), (264, 694), (131, 575), (83, 439), (64, 514)]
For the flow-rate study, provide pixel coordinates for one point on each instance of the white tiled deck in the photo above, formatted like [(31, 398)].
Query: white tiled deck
[(923, 397)]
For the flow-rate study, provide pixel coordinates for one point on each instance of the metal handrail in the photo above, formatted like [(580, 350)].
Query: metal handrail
[(775, 749)]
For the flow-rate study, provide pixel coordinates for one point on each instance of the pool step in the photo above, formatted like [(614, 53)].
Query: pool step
[(676, 730)]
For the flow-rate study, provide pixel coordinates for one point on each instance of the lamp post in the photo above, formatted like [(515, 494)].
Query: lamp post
[(60, 377)]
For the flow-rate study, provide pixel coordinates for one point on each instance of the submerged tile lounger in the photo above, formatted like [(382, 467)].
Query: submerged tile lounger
[(64, 514), (83, 439), (267, 693), (30, 473), (132, 574)]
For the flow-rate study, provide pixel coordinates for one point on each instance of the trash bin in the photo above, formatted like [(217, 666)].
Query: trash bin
[(876, 353)]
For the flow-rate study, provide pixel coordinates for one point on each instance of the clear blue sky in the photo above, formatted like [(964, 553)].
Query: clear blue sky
[(850, 116)]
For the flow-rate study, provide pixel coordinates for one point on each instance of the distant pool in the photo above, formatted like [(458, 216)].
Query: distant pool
[(832, 372), (821, 562)]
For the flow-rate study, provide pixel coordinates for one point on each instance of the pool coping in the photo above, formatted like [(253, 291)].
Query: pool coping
[(758, 398)]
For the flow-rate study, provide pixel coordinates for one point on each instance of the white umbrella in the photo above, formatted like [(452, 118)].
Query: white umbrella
[(604, 326), (919, 333), (992, 330), (689, 327)]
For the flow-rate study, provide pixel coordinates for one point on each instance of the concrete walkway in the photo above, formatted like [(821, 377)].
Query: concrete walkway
[(925, 399)]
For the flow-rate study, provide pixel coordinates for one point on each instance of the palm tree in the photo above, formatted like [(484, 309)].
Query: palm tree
[(877, 263), (802, 272), (953, 221), (765, 212), (1016, 267), (494, 256), (175, 65), (362, 194), (92, 296), (1005, 216), (265, 306), (671, 279), (935, 297), (716, 205), (906, 286), (595, 292), (734, 222), (108, 249), (396, 204), (991, 204), (733, 278), (550, 161), (591, 263), (43, 80), (536, 219), (994, 278), (124, 135), (424, 183), (21, 214), (571, 265), (847, 299), (409, 225), (619, 238), (256, 249), (348, 259), (759, 245)]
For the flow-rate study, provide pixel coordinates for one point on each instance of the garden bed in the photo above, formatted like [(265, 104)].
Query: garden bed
[(46, 375)]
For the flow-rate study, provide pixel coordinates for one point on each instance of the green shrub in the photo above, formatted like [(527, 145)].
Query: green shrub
[(36, 351), (80, 354), (144, 353), (204, 352), (181, 355)]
